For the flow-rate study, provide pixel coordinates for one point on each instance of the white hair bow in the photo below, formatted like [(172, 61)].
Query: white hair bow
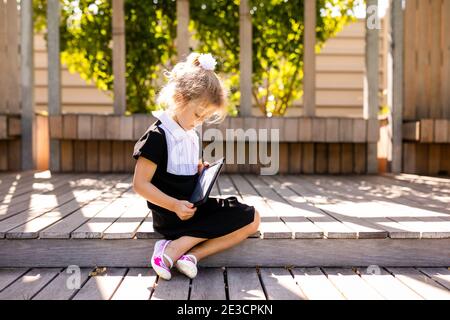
[(207, 61)]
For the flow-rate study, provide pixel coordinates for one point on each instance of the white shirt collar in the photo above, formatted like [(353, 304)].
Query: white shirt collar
[(172, 126)]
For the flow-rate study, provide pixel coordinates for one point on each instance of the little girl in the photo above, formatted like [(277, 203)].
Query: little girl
[(168, 166)]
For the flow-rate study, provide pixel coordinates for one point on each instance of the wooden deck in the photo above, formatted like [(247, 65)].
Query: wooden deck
[(227, 284), (98, 220)]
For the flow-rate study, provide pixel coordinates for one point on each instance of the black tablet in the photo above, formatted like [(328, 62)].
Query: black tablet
[(205, 182)]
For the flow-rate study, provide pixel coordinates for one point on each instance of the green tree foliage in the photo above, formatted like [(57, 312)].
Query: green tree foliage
[(151, 31)]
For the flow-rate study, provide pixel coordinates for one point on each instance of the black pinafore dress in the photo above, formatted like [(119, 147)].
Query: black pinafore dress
[(215, 218)]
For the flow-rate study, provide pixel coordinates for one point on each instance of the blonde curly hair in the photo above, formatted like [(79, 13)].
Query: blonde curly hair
[(188, 83)]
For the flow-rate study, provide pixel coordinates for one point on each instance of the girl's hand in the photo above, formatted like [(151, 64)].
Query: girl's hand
[(184, 209), (201, 166)]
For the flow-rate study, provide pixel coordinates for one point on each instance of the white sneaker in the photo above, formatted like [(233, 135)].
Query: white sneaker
[(187, 264), (157, 261)]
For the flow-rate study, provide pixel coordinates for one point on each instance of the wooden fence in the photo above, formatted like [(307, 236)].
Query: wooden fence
[(104, 143), (427, 87), (10, 126)]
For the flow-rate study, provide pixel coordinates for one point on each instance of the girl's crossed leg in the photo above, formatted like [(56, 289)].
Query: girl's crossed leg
[(202, 247)]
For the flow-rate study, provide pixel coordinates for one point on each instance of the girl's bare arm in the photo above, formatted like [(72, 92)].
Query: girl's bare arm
[(143, 174)]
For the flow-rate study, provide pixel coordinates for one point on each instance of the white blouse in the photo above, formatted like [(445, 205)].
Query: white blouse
[(183, 147)]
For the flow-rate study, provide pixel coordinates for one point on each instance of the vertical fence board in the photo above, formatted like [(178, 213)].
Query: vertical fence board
[(79, 156), (3, 60), (12, 57), (104, 158), (92, 151), (118, 164), (334, 158), (321, 158), (409, 112), (66, 155)]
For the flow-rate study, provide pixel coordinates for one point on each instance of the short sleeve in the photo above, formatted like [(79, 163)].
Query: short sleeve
[(150, 146)]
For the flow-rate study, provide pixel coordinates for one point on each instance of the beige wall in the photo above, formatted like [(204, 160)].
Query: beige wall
[(340, 72)]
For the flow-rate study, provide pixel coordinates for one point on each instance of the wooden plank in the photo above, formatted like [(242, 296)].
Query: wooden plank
[(295, 158), (347, 158), (244, 284), (119, 57), (95, 227), (301, 198), (112, 123), (410, 67), (345, 130), (441, 130), (445, 159), (294, 218), (208, 285), (422, 158), (251, 252), (427, 130), (308, 158), (14, 126), (3, 53), (27, 83), (309, 59), (440, 275), (321, 158), (30, 225), (420, 283), (280, 285), (141, 123), (423, 63), (175, 289), (411, 131), (332, 130), (343, 211), (104, 158), (92, 155), (183, 36), (445, 60), (84, 127), (319, 129), (70, 122), (352, 286), (245, 58), (359, 130), (29, 284), (371, 76), (283, 158), (271, 225), (434, 160), (385, 284), (435, 53), (3, 156), (138, 284), (99, 127), (117, 159), (79, 156), (129, 161), (56, 126), (127, 225), (409, 158), (126, 128), (64, 286), (304, 129), (63, 228), (101, 286), (290, 130), (9, 275), (315, 284), (334, 158), (409, 214), (3, 127), (359, 160), (67, 156), (15, 154), (57, 192)]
